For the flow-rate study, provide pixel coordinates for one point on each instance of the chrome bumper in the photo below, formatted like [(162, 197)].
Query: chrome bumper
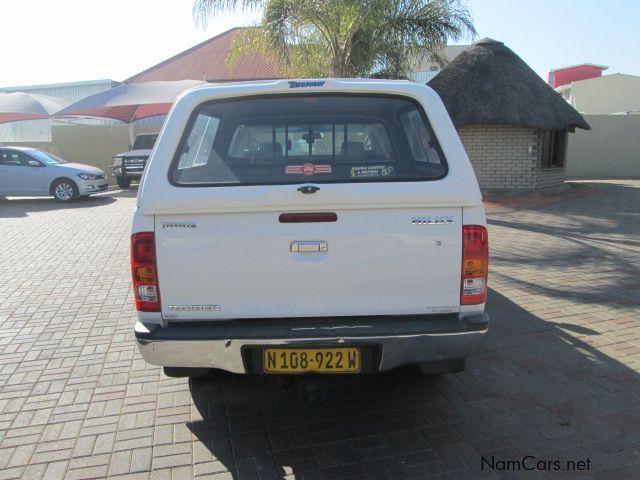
[(226, 345)]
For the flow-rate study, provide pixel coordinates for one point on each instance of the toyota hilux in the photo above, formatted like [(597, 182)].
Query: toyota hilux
[(309, 226)]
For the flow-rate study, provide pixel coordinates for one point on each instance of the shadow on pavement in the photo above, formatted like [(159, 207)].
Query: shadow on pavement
[(130, 192), (598, 235), (16, 207), (534, 390)]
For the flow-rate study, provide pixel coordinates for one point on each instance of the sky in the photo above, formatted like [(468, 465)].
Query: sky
[(45, 41)]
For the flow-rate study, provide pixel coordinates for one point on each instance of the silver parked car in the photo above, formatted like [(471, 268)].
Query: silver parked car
[(31, 172)]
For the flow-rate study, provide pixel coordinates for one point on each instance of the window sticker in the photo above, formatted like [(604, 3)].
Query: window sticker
[(307, 169), (372, 171)]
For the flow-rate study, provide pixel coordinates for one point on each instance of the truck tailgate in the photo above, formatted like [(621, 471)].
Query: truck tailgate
[(375, 261)]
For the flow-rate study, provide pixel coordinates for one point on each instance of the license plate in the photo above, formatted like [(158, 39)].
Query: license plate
[(321, 360)]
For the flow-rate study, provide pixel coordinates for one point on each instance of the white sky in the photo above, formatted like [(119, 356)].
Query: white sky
[(51, 41)]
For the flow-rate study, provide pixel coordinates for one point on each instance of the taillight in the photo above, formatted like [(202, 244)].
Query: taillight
[(145, 272), (475, 265)]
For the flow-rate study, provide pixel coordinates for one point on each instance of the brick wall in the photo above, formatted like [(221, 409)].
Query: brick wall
[(501, 159)]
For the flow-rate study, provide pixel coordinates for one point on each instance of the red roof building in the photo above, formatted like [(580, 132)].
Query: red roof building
[(208, 61), (566, 75)]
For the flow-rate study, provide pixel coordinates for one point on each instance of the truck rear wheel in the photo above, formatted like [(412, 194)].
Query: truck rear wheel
[(123, 182)]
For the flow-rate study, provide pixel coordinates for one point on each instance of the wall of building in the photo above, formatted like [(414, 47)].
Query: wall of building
[(423, 76), (92, 144), (26, 131), (507, 158), (96, 144), (424, 67), (426, 63), (610, 149), (609, 94), (564, 76)]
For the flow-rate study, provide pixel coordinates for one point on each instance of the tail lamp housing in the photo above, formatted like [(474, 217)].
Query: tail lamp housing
[(475, 265), (144, 272)]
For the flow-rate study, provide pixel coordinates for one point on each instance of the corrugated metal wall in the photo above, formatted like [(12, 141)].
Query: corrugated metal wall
[(27, 131)]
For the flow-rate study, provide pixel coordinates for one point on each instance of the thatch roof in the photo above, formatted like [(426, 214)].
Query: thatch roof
[(488, 84)]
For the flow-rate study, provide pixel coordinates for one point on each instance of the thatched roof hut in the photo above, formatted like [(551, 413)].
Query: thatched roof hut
[(489, 84)]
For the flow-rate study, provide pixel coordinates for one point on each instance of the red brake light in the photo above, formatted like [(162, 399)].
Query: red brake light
[(475, 265), (144, 272)]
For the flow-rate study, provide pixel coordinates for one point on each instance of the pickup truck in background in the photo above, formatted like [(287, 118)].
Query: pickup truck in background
[(310, 226), (129, 165)]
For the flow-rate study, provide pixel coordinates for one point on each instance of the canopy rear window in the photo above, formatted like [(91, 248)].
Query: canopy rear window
[(307, 138)]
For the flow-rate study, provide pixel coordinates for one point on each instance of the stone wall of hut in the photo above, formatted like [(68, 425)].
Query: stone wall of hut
[(507, 158)]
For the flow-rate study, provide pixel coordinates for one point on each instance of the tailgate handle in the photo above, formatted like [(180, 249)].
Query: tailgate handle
[(308, 217), (309, 247)]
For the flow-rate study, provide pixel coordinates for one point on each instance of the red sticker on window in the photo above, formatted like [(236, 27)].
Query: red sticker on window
[(308, 169)]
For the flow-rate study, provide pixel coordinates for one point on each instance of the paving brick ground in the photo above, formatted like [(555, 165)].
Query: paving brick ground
[(558, 380)]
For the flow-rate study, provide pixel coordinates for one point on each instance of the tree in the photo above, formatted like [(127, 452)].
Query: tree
[(346, 38)]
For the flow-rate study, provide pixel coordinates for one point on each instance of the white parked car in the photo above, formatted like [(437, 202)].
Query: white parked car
[(32, 172), (324, 226)]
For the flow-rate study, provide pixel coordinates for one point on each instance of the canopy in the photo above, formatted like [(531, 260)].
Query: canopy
[(130, 101), (18, 106)]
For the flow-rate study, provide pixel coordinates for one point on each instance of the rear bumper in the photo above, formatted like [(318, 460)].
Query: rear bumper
[(401, 340)]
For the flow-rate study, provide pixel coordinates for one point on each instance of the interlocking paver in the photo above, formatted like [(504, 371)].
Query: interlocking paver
[(558, 378)]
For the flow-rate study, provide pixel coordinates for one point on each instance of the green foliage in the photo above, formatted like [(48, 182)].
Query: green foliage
[(346, 38)]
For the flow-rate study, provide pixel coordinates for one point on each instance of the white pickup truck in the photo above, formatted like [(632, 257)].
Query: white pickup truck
[(310, 226)]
